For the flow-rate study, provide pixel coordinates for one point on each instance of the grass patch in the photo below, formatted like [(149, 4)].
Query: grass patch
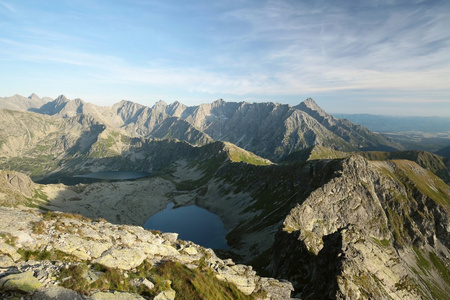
[(54, 255), (425, 181), (200, 283), (38, 227), (9, 239), (51, 215), (382, 243), (440, 267), (39, 194), (423, 264), (397, 226), (74, 277), (197, 284)]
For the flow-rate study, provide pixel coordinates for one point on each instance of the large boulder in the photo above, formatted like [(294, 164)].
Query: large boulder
[(23, 282)]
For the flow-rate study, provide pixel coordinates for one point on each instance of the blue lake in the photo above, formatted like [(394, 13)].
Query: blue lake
[(192, 223), (114, 175)]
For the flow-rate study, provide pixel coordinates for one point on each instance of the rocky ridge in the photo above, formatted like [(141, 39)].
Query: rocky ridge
[(45, 146), (37, 248), (271, 130), (373, 231), (435, 163), (21, 103)]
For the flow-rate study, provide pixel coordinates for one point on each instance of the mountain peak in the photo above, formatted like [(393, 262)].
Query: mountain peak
[(61, 98), (219, 101), (311, 104), (33, 96), (160, 106), (311, 107), (160, 103)]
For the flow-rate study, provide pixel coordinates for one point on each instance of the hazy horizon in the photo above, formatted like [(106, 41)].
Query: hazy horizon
[(386, 57)]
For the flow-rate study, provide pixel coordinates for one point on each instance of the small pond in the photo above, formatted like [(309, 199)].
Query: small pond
[(192, 223), (114, 175)]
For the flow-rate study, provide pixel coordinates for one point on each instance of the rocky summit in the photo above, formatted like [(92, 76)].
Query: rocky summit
[(310, 212)]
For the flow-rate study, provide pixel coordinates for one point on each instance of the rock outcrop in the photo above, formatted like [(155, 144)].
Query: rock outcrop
[(42, 252), (375, 230)]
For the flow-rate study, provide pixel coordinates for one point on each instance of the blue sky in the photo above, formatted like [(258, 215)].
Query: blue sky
[(380, 56)]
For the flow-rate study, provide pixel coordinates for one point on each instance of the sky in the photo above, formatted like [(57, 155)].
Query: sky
[(389, 57)]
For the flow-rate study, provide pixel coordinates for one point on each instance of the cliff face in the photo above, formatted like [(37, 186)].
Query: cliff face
[(374, 230)]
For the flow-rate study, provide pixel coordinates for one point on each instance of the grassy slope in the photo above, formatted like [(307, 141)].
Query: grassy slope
[(435, 163)]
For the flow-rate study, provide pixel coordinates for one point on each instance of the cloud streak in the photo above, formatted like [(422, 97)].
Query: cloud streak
[(7, 6), (246, 49)]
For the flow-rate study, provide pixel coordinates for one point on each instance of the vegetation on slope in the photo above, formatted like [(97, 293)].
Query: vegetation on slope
[(437, 164), (198, 283), (315, 152)]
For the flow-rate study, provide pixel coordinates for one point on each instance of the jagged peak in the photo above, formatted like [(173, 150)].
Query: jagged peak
[(219, 101), (62, 98), (159, 104), (33, 96), (79, 101), (124, 102)]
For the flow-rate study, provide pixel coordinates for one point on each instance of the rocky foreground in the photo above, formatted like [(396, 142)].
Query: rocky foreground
[(63, 256)]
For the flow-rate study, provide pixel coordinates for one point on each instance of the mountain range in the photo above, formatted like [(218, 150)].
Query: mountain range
[(335, 209), (270, 130)]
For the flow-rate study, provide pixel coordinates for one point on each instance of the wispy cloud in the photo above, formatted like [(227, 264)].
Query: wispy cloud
[(8, 6), (243, 48), (340, 47)]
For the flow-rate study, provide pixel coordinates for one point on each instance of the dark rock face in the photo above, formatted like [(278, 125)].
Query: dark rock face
[(315, 276)]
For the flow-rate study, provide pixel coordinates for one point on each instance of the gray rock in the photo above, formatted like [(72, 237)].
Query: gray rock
[(166, 295), (143, 282), (56, 293), (11, 251), (169, 236), (239, 275), (124, 258), (6, 261), (24, 282), (115, 296)]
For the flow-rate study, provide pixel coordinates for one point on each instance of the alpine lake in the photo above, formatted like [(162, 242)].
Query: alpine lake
[(192, 223)]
